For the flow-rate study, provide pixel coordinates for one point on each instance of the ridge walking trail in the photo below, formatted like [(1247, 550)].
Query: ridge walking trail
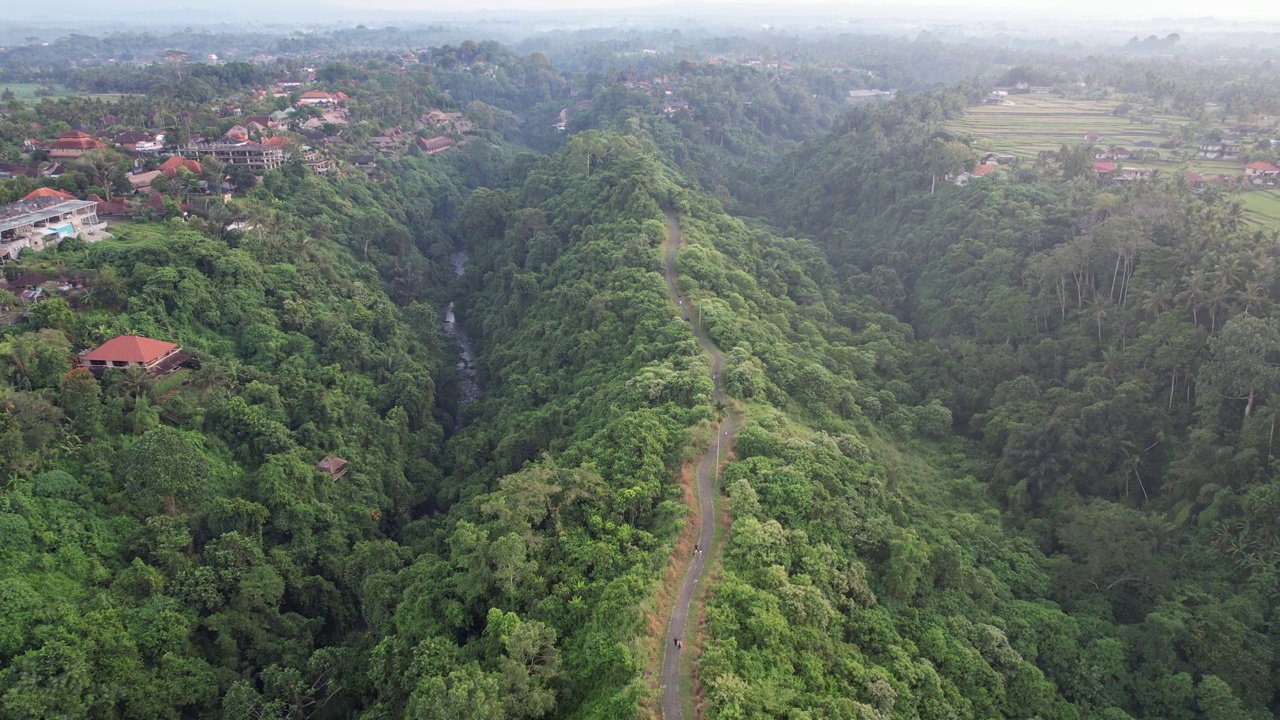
[(671, 706)]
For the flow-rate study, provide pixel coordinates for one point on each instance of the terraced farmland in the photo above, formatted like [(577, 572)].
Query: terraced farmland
[(1046, 122)]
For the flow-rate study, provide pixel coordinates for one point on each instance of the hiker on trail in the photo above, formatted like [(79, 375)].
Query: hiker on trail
[(676, 642), (679, 644)]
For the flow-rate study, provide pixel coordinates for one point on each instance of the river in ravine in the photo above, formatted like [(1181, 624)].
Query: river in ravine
[(468, 377)]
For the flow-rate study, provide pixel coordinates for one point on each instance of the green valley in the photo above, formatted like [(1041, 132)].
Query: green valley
[(384, 373)]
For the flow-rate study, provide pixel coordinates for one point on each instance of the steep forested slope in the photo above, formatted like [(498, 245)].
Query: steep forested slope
[(1110, 350), (168, 543)]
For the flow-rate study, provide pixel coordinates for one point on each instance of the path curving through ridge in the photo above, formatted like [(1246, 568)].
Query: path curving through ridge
[(671, 706)]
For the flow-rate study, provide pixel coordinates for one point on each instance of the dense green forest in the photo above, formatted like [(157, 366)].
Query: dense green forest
[(1005, 449)]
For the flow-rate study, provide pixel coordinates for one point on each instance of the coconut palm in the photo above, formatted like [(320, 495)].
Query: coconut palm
[(1193, 296), (1253, 298)]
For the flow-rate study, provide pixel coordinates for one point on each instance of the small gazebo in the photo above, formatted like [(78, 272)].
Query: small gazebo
[(333, 466)]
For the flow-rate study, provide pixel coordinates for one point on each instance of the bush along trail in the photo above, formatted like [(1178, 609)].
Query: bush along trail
[(677, 642)]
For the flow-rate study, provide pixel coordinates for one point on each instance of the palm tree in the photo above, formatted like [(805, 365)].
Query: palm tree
[(1099, 309), (217, 375), (1271, 410), (1156, 301), (137, 381), (1234, 215), (1194, 294), (22, 355), (1253, 298), (1217, 300), (99, 164), (1227, 271), (86, 297)]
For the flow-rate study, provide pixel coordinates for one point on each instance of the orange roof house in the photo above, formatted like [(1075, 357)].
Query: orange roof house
[(983, 170), (170, 167), (73, 144), (317, 97), (45, 192), (1258, 168), (157, 357)]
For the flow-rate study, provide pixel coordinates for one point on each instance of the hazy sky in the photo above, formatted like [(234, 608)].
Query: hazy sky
[(1083, 9)]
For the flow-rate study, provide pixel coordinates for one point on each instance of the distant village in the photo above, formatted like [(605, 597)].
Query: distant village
[(310, 131)]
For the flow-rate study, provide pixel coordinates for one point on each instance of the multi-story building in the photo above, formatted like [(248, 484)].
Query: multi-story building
[(258, 158), (39, 221)]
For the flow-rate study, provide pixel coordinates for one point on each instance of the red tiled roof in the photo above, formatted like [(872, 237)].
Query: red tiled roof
[(170, 166), (81, 142), (1104, 167), (45, 192), (130, 348), (983, 170), (1263, 166), (315, 95), (276, 141)]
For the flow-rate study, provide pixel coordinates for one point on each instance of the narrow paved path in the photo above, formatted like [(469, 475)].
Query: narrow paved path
[(671, 708)]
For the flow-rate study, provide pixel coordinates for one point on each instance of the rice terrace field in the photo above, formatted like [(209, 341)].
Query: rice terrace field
[(1047, 122), (26, 92)]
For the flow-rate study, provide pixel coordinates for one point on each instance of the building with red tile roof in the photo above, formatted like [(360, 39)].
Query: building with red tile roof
[(319, 97), (983, 170), (132, 351), (1258, 168), (170, 167), (73, 144), (44, 192)]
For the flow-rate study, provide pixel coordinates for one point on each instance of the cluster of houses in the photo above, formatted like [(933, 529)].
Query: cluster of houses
[(665, 88), (446, 126), (986, 165), (1123, 173), (254, 143), (1146, 151), (1108, 164), (247, 143)]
